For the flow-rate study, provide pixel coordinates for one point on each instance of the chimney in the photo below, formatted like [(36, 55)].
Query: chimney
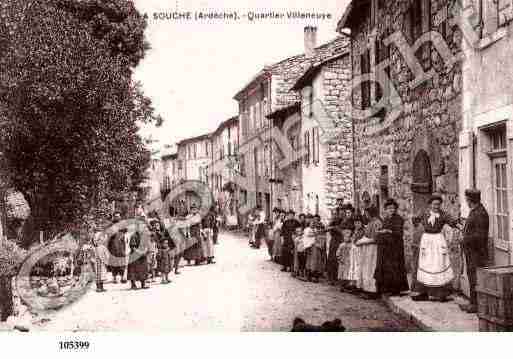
[(310, 41)]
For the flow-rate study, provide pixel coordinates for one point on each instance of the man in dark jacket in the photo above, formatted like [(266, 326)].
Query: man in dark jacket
[(475, 243)]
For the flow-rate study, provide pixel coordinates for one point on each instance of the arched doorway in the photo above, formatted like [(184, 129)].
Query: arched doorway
[(422, 186)]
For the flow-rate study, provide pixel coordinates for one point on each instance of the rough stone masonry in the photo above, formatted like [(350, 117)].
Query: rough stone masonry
[(416, 154)]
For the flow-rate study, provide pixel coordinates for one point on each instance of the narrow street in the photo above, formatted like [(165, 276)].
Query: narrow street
[(243, 291)]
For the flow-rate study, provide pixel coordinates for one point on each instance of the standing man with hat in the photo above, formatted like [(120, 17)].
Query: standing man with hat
[(475, 243)]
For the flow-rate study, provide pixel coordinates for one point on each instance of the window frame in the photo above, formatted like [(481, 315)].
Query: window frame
[(500, 203), (365, 86), (307, 146)]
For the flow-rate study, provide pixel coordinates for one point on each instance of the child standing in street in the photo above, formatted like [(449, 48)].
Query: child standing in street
[(100, 259), (298, 250), (358, 234), (165, 260), (344, 257), (152, 256)]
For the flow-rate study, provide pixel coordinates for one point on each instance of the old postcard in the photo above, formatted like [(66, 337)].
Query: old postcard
[(255, 166)]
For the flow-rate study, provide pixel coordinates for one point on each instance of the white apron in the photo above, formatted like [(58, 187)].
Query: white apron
[(435, 268), (368, 253), (354, 266)]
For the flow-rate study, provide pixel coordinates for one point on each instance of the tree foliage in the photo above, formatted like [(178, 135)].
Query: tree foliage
[(69, 110)]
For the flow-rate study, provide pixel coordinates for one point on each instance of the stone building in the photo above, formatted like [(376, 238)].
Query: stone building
[(326, 134), (194, 157), (269, 91), (225, 148), (406, 143), (486, 141)]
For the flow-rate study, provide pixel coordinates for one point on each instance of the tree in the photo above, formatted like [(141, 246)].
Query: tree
[(69, 110)]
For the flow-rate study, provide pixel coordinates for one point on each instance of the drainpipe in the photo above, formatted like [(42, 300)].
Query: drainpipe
[(353, 137)]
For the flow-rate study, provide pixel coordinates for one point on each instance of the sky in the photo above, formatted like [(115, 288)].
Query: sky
[(194, 68)]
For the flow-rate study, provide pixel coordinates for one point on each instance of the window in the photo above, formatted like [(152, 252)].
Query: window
[(382, 54), (251, 119), (365, 86), (206, 148), (372, 13), (384, 183), (244, 196), (229, 149), (311, 103), (307, 146), (420, 22), (415, 20), (500, 197), (315, 145), (498, 140), (258, 115), (242, 166), (504, 12)]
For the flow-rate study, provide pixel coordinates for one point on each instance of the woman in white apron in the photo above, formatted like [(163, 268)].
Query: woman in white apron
[(434, 273)]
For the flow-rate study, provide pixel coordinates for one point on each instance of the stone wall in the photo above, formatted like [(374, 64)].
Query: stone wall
[(336, 78), (332, 177), (287, 72), (430, 120)]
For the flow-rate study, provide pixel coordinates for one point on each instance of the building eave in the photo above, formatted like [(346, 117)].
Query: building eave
[(347, 18), (309, 76), (284, 111)]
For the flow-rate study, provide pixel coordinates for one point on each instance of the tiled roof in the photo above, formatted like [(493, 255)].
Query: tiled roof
[(287, 72)]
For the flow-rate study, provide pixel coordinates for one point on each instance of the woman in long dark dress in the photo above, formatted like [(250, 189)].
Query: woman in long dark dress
[(390, 272), (138, 265), (335, 235), (288, 229), (195, 251)]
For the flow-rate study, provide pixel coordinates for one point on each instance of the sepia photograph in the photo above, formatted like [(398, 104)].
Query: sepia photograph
[(201, 166)]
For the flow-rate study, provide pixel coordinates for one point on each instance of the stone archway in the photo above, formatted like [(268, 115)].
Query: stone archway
[(422, 185)]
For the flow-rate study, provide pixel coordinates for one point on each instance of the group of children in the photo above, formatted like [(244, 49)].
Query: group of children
[(344, 251)]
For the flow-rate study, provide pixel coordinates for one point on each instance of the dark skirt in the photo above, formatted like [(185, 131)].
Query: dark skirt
[(287, 253), (165, 262), (193, 253), (390, 272), (138, 270)]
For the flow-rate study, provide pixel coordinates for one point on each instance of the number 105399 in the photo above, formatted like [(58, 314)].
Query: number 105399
[(74, 345)]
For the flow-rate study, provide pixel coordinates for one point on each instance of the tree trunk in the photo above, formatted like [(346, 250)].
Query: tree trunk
[(6, 300)]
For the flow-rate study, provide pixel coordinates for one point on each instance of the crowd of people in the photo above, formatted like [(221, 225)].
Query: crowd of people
[(363, 252), (143, 255)]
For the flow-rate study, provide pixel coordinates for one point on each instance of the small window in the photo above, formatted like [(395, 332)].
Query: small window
[(504, 12), (382, 54), (315, 146), (366, 85), (307, 147), (415, 20), (497, 140)]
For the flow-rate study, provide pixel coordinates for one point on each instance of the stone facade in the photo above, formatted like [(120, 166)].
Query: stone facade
[(327, 128), (267, 92), (416, 153)]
